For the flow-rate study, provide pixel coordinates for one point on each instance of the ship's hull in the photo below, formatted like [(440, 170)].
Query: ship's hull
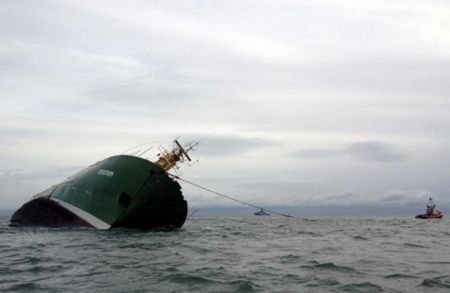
[(121, 191), (430, 216)]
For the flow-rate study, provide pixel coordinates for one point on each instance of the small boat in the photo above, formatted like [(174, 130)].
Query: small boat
[(432, 212), (261, 212), (430, 216)]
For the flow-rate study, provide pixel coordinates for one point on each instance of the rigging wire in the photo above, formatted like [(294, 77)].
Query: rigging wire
[(191, 214), (149, 148), (231, 198), (139, 145)]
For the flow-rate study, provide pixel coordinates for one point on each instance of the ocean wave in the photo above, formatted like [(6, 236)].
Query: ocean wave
[(365, 287), (400, 276), (263, 255), (437, 282), (330, 266), (415, 245)]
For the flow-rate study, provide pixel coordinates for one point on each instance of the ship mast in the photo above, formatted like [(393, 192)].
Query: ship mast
[(169, 158)]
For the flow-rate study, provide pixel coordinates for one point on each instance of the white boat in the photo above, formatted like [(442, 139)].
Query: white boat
[(261, 212)]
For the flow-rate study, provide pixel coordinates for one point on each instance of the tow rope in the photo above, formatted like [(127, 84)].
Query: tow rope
[(232, 198)]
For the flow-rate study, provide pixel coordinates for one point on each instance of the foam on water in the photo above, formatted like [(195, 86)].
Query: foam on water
[(267, 254)]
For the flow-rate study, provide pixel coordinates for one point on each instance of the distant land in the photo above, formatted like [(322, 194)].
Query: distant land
[(409, 210), (360, 211)]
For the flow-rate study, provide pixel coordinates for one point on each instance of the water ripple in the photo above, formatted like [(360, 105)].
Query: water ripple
[(231, 255)]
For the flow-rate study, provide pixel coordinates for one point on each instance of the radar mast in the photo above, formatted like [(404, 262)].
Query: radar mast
[(168, 159)]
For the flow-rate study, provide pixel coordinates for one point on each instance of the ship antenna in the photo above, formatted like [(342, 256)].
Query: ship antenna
[(168, 159), (182, 150)]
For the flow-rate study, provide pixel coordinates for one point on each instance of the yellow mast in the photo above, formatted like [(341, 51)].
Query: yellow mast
[(169, 159)]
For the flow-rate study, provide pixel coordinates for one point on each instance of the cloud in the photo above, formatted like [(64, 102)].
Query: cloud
[(318, 153), (347, 197), (402, 197), (19, 185), (226, 145), (373, 151), (369, 151), (363, 88), (10, 176)]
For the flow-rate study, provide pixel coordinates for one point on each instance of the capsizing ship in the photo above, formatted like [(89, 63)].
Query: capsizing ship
[(120, 191)]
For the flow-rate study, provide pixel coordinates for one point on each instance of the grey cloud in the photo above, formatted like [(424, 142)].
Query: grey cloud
[(156, 92), (370, 151), (400, 196), (344, 197), (317, 153), (374, 152), (217, 145), (26, 132), (15, 176), (81, 80), (394, 198), (19, 185)]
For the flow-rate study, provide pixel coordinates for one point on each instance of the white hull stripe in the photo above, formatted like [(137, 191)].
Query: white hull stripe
[(90, 219)]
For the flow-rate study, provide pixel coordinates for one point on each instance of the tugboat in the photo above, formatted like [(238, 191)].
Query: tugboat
[(120, 191), (432, 212), (261, 212)]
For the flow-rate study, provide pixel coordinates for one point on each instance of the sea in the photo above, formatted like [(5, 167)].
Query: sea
[(232, 254)]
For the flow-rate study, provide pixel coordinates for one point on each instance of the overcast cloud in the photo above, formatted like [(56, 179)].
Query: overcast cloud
[(294, 102)]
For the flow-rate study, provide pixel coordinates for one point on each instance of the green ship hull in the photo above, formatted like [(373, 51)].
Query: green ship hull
[(120, 191)]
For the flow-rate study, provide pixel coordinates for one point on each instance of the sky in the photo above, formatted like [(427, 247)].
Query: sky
[(295, 103)]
